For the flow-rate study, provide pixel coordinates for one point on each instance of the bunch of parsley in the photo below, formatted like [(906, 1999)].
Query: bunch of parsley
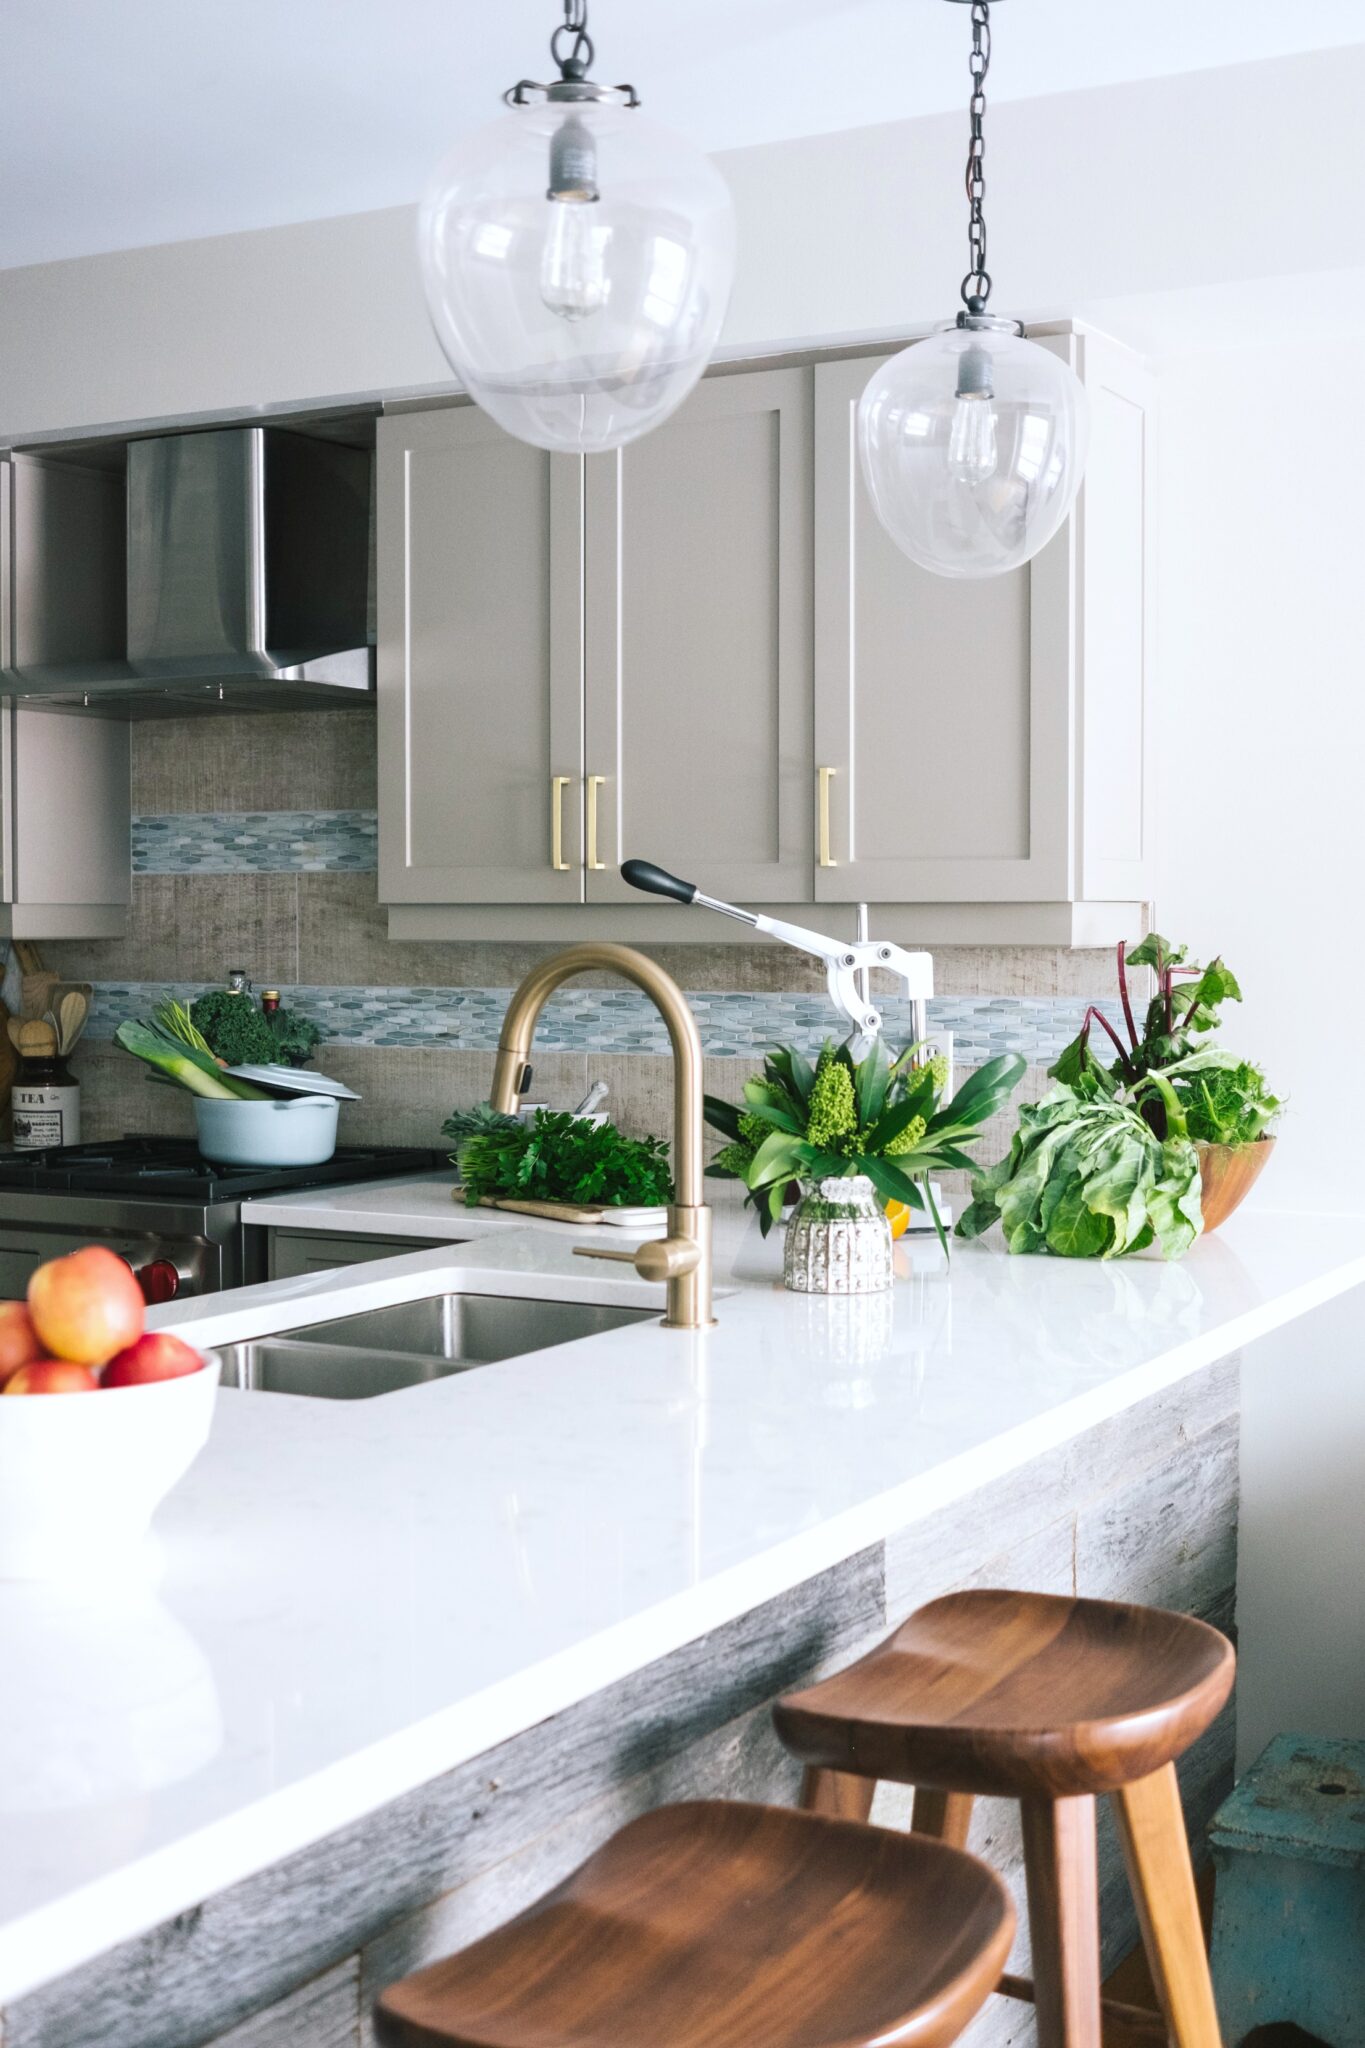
[(564, 1158)]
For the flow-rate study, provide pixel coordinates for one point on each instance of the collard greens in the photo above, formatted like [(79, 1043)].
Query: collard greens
[(1086, 1177)]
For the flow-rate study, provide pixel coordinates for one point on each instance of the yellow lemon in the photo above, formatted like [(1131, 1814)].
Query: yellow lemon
[(898, 1216)]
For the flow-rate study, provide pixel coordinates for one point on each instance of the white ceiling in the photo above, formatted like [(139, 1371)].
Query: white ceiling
[(134, 121)]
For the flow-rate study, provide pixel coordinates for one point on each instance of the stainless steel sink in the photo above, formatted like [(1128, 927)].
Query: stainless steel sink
[(357, 1357)]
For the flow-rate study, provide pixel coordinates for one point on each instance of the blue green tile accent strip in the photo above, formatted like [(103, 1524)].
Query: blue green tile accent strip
[(610, 1020), (256, 842)]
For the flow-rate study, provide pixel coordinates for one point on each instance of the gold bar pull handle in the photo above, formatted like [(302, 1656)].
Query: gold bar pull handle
[(824, 776), (594, 784), (558, 785)]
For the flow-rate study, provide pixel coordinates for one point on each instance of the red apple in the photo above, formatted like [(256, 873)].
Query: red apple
[(86, 1306), (20, 1343), (156, 1356), (51, 1376)]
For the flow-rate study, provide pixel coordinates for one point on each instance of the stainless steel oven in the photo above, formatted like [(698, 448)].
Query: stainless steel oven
[(172, 1215)]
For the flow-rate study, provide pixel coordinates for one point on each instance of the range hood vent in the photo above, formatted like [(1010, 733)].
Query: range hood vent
[(247, 553)]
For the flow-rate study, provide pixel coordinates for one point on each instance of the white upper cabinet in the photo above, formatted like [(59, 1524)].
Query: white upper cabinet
[(699, 645), (986, 741)]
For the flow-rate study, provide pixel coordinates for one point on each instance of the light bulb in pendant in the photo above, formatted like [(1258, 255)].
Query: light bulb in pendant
[(973, 448), (573, 269)]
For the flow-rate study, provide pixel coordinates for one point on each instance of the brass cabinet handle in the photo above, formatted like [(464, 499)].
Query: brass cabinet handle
[(824, 777), (558, 785), (594, 784)]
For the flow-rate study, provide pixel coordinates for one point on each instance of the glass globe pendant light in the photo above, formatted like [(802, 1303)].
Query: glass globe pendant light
[(973, 442), (577, 258)]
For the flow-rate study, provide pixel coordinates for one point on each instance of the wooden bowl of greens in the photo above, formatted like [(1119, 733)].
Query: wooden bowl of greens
[(1227, 1174)]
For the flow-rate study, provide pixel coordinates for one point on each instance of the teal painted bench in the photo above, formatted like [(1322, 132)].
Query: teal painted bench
[(1289, 1908)]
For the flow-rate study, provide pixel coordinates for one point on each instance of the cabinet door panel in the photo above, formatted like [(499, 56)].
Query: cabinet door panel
[(480, 663), (698, 643), (942, 706)]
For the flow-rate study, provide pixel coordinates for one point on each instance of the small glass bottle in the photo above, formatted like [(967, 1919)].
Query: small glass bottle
[(46, 1104)]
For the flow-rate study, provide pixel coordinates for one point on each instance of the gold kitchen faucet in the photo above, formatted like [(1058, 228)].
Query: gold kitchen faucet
[(682, 1260)]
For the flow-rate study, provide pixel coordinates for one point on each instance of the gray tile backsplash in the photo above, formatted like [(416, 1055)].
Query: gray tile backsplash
[(255, 847)]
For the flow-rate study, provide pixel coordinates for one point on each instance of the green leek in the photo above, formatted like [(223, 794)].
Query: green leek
[(197, 1071)]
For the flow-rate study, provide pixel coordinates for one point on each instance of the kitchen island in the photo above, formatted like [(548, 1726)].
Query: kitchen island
[(396, 1665)]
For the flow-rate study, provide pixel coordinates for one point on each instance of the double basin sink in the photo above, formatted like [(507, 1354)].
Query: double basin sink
[(385, 1349)]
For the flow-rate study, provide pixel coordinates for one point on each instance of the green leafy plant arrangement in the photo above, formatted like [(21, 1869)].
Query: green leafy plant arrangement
[(1087, 1177), (1221, 1101), (562, 1158), (877, 1116)]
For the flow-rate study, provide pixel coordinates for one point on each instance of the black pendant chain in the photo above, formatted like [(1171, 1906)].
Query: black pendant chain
[(571, 45), (976, 285)]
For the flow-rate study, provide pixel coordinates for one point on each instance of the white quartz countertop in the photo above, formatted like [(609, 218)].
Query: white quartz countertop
[(423, 1208), (344, 1599)]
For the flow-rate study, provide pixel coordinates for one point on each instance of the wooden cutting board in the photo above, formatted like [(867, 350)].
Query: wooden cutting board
[(557, 1212)]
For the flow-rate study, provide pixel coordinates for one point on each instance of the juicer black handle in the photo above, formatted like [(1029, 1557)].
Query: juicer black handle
[(642, 874)]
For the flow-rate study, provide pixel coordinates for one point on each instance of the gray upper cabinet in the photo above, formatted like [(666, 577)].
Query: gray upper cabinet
[(986, 742), (480, 664), (698, 643), (65, 824), (65, 778), (703, 649)]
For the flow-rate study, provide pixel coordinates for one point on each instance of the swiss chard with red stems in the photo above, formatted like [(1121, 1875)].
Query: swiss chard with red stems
[(1178, 1081)]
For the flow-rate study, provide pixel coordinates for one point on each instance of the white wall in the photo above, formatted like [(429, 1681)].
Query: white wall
[(1153, 187), (1261, 579), (1261, 527)]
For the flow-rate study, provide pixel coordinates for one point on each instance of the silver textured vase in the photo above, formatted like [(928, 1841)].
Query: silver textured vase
[(838, 1241)]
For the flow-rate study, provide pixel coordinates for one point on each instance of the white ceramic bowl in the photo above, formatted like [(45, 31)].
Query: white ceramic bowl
[(299, 1131), (81, 1475)]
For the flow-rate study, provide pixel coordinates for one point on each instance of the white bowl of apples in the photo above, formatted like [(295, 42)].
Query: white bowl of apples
[(79, 1479)]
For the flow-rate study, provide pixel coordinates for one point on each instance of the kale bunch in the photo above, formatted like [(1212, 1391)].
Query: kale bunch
[(234, 1029)]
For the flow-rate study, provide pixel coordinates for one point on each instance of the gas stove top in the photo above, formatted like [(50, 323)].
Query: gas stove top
[(172, 1170)]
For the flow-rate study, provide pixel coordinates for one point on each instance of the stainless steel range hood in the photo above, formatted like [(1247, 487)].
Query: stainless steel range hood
[(247, 559)]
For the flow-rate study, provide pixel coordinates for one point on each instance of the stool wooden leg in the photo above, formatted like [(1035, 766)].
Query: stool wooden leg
[(1152, 1829), (1064, 1919), (947, 1816), (838, 1793)]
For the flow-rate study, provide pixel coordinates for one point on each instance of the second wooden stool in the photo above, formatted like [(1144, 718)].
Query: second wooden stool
[(1048, 1701), (720, 1925)]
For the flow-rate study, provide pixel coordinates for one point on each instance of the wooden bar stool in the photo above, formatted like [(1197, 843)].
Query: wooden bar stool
[(1047, 1701), (721, 1925)]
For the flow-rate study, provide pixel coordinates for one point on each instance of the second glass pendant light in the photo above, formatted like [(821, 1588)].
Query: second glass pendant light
[(577, 259), (973, 442)]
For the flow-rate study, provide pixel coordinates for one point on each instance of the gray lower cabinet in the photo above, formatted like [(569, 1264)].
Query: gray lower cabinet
[(986, 741), (294, 1252)]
